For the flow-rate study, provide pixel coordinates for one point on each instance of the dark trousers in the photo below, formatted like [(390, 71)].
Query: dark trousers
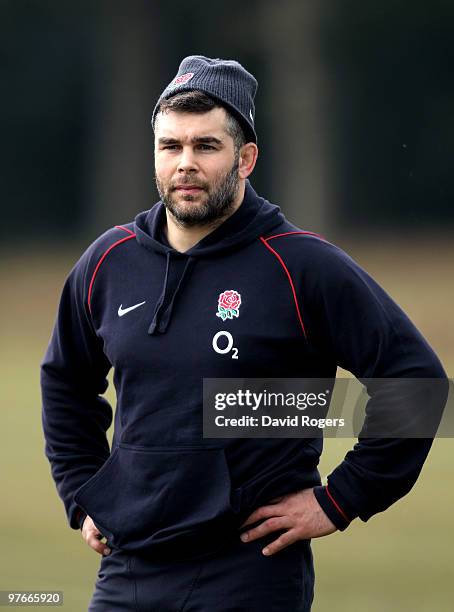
[(236, 578)]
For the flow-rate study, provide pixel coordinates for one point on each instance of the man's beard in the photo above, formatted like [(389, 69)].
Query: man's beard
[(218, 204)]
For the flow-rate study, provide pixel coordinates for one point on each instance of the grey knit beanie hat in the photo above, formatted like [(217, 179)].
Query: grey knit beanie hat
[(224, 80)]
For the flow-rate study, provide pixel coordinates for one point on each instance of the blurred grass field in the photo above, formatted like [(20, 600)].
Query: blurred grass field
[(400, 561)]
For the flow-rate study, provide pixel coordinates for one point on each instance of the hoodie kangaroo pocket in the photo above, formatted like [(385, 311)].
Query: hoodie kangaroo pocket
[(169, 499)]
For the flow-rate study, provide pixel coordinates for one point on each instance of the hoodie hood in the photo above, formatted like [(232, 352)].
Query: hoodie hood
[(255, 217), (251, 220)]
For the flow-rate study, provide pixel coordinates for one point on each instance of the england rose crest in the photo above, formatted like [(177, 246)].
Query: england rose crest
[(229, 303)]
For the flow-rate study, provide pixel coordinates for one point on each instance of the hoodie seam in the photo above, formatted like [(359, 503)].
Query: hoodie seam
[(122, 227), (101, 261), (336, 505), (299, 232), (290, 280)]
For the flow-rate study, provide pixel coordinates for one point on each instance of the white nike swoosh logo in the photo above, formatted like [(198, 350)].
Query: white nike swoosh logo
[(122, 311)]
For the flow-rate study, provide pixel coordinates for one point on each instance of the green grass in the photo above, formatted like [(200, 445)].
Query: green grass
[(400, 560)]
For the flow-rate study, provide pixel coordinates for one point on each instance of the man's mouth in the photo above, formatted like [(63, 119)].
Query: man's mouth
[(188, 188)]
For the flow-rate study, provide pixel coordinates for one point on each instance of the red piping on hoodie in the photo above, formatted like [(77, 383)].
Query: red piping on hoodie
[(103, 256), (281, 261), (125, 229), (290, 280), (290, 233), (338, 508)]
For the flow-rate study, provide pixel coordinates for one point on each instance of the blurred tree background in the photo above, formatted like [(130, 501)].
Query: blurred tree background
[(355, 125), (354, 108)]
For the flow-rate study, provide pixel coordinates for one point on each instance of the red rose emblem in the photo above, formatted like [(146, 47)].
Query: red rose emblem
[(229, 303), (230, 299)]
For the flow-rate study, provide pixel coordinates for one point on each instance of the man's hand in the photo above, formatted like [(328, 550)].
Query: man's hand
[(299, 513), (93, 537)]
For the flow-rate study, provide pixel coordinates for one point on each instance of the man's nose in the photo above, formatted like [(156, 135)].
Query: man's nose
[(187, 161)]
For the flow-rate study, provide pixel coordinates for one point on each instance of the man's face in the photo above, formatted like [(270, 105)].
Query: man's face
[(196, 166)]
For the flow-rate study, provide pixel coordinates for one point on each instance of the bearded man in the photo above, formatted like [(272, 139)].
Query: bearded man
[(193, 523)]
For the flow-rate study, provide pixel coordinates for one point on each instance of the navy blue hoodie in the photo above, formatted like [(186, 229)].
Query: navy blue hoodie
[(306, 307)]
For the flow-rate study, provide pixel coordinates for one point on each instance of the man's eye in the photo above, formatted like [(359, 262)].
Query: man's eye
[(176, 147)]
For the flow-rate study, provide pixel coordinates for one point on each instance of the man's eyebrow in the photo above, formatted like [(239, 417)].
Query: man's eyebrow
[(164, 140), (206, 140)]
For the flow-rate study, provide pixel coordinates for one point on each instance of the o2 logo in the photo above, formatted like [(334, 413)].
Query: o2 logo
[(224, 349)]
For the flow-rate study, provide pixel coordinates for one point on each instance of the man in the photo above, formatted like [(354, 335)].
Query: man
[(150, 299)]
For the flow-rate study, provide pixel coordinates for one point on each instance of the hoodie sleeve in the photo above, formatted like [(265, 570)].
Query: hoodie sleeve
[(352, 319), (75, 417)]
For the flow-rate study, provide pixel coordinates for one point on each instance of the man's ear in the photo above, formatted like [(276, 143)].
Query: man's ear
[(248, 157)]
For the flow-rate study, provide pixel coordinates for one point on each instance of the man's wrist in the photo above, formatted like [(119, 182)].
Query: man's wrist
[(331, 508), (80, 518)]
